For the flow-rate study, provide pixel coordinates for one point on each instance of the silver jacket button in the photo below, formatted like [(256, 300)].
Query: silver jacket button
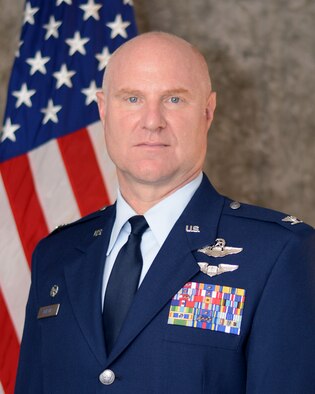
[(107, 377), (235, 205)]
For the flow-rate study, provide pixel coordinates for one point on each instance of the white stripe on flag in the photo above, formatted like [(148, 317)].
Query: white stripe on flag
[(14, 271), (52, 185), (107, 167), (1, 389)]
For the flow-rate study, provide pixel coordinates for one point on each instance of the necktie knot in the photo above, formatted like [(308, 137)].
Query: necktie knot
[(138, 225)]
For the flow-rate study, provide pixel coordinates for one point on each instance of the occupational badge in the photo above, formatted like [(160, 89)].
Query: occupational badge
[(54, 291), (219, 249), (213, 270)]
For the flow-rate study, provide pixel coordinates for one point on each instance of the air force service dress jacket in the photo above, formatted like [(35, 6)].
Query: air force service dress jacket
[(248, 328)]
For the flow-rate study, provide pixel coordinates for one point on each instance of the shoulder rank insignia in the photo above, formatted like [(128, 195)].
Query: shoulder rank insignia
[(219, 249), (213, 270), (292, 219)]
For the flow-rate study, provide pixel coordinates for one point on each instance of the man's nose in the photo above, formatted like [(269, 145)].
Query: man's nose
[(153, 118)]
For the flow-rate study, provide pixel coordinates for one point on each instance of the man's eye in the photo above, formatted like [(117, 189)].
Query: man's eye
[(174, 100), (132, 99)]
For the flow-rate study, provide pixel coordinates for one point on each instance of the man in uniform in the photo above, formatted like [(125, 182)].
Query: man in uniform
[(174, 288)]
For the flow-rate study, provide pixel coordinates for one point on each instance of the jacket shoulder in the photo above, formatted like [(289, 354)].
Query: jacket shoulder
[(260, 214)]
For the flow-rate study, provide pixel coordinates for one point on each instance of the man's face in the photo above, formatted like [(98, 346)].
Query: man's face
[(156, 111)]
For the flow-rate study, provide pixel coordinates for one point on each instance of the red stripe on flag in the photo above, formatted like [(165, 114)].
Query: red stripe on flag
[(9, 349), (84, 172), (26, 209)]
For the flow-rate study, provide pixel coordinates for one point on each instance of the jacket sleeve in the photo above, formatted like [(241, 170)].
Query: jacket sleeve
[(281, 346), (29, 376)]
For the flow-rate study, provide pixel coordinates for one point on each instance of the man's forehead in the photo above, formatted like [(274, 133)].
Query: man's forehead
[(160, 81)]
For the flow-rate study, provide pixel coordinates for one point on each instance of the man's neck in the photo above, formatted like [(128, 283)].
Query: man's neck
[(143, 196)]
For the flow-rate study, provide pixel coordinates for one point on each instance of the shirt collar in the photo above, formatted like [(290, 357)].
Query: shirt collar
[(123, 213), (161, 217)]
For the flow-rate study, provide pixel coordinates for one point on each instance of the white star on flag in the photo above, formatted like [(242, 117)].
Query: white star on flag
[(51, 112), (8, 130), (52, 28), (64, 1), (37, 63), (118, 27), (90, 93), (64, 77), (23, 96), (90, 10), (130, 2), (103, 58), (77, 44), (29, 13)]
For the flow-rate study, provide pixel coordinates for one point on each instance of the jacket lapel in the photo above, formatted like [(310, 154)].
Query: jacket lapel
[(84, 282), (175, 264)]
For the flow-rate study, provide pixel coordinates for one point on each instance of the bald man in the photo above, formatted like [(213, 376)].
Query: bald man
[(174, 288)]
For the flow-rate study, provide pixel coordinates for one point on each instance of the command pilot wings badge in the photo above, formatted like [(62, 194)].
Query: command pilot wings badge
[(219, 249), (213, 270)]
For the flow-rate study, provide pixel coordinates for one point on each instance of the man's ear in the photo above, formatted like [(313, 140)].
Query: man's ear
[(101, 105), (210, 108)]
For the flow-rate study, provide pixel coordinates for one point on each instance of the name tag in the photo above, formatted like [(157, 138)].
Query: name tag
[(48, 311)]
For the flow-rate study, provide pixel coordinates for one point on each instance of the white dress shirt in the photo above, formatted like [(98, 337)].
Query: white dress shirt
[(161, 219)]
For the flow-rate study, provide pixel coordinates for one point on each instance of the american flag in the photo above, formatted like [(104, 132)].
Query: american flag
[(53, 162)]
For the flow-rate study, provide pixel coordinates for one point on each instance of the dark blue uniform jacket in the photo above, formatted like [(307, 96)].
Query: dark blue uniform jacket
[(272, 353)]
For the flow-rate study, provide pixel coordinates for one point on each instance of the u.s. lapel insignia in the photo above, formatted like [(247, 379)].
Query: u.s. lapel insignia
[(219, 249), (54, 291), (292, 219), (192, 229), (98, 232), (213, 270)]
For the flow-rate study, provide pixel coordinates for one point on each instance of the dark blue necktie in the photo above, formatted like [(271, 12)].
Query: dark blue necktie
[(123, 282)]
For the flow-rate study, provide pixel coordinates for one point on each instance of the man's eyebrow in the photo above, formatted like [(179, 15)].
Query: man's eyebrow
[(129, 91), (176, 91)]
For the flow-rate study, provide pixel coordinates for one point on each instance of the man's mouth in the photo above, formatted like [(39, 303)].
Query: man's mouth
[(152, 145)]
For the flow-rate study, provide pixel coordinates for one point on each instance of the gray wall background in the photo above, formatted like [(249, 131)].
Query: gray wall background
[(261, 56)]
